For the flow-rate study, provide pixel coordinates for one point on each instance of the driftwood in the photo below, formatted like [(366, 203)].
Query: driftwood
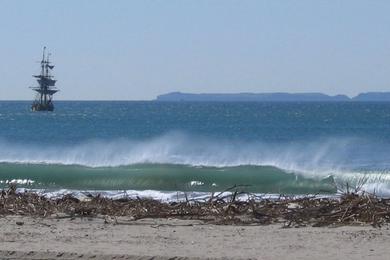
[(348, 209)]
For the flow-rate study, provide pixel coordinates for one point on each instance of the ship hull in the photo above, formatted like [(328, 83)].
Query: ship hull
[(41, 107)]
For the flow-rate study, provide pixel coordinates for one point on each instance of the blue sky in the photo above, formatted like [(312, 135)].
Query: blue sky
[(135, 50)]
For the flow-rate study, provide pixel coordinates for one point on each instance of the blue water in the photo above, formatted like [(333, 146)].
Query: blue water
[(296, 148)]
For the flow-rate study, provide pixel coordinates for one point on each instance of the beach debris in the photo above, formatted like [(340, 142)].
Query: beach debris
[(224, 208)]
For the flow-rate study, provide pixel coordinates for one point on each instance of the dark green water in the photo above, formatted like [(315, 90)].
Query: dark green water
[(165, 178)]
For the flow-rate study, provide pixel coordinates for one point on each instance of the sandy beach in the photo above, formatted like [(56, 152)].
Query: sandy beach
[(121, 238)]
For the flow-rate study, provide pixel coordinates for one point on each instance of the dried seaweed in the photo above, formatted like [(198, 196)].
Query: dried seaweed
[(348, 209)]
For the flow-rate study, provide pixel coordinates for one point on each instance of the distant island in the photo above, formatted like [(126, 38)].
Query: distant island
[(273, 97)]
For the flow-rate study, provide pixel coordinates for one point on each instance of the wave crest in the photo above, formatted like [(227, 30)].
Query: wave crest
[(321, 157)]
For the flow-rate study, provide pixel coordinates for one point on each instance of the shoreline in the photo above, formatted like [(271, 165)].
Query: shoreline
[(353, 226), (92, 238)]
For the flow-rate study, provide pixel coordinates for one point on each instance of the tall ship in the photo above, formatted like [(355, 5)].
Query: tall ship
[(46, 86)]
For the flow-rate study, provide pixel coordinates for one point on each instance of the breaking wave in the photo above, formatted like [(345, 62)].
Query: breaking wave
[(204, 161)]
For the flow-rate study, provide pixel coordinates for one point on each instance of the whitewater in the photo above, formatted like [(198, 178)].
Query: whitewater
[(160, 148)]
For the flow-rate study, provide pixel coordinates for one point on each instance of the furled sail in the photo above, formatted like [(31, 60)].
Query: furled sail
[(46, 81), (46, 91)]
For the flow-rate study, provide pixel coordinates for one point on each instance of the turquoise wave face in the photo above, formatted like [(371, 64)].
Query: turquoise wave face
[(163, 177)]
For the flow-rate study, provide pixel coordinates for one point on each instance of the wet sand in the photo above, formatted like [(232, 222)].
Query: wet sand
[(99, 238)]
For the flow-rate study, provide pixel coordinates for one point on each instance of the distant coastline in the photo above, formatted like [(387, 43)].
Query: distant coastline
[(273, 97)]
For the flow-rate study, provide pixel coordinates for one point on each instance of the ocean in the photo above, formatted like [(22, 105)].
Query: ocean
[(159, 149)]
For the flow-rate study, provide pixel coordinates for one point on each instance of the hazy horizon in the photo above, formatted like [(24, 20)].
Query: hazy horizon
[(136, 50), (203, 93)]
